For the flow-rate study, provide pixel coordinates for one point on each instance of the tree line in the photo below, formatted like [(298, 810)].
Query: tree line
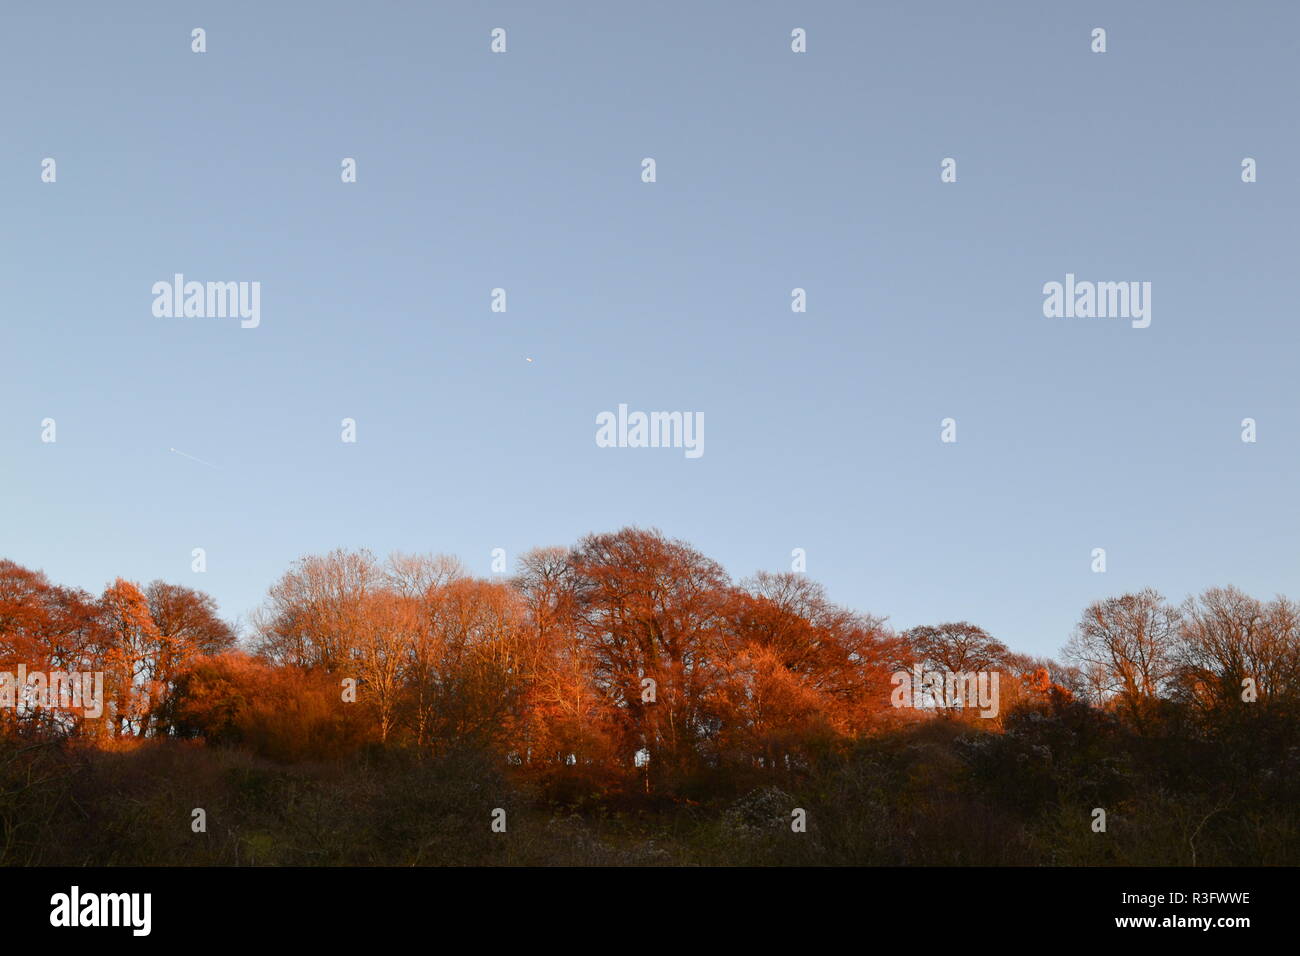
[(629, 661), (626, 702)]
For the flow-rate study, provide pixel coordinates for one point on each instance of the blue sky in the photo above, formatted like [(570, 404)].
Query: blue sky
[(775, 170)]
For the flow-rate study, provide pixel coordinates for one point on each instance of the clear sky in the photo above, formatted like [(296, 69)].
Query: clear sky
[(775, 170)]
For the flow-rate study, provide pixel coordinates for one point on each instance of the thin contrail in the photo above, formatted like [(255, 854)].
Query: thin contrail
[(192, 458)]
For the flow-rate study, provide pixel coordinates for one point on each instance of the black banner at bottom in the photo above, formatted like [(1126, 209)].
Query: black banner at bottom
[(504, 905)]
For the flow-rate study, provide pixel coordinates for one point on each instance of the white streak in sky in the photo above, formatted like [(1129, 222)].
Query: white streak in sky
[(192, 458)]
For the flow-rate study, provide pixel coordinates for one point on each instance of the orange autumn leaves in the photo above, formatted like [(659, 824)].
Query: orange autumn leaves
[(628, 660), (140, 639)]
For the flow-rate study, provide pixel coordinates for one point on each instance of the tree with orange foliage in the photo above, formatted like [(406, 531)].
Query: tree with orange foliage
[(801, 672), (279, 711), (564, 726), (129, 656), (650, 612)]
